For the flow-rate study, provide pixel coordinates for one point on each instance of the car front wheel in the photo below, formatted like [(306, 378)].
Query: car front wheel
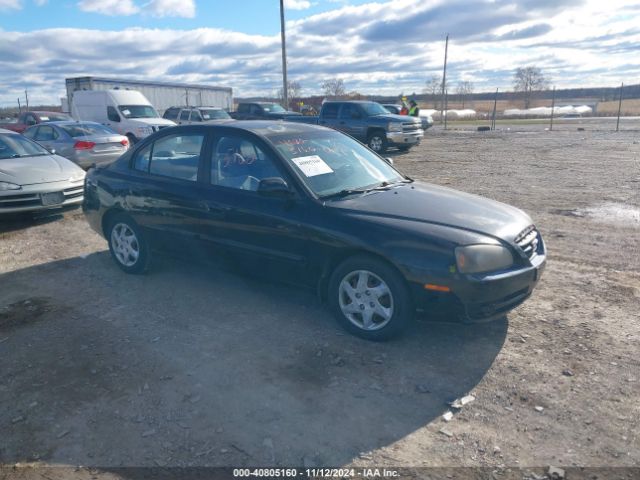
[(370, 298), (127, 245), (377, 142)]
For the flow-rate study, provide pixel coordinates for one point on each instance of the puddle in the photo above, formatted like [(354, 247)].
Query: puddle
[(617, 213)]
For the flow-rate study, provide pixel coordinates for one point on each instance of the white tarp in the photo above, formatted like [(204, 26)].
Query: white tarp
[(546, 111), (465, 114)]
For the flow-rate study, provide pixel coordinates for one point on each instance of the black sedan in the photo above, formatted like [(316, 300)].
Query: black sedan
[(319, 207)]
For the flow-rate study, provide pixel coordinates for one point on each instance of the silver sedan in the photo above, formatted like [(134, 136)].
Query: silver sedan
[(32, 179), (85, 143)]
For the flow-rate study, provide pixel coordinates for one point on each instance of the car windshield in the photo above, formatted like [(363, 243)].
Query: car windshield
[(138, 111), (373, 108), (214, 114), (330, 162), (54, 117), (15, 146), (272, 108), (86, 129)]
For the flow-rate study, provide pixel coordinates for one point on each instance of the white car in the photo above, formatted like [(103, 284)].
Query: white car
[(33, 179)]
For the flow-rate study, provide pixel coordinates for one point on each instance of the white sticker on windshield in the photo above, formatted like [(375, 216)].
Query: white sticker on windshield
[(312, 165), (126, 111)]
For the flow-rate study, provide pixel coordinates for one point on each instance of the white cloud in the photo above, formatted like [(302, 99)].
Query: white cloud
[(41, 3), (581, 45), (297, 4), (10, 5), (171, 8), (109, 7)]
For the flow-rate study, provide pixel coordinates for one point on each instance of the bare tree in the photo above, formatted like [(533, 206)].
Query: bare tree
[(528, 80), (334, 88), (432, 88), (293, 92), (463, 89)]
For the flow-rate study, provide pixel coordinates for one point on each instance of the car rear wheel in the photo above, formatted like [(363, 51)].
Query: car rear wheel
[(370, 298), (377, 142), (127, 245)]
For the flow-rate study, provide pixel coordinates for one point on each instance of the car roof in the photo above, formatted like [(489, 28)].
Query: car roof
[(4, 130), (266, 128), (350, 101), (74, 122), (47, 112)]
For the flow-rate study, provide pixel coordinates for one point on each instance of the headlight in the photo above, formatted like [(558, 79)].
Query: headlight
[(483, 258), (144, 131), (394, 127), (9, 186), (77, 177)]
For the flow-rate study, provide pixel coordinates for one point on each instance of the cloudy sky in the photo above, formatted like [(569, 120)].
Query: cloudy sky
[(384, 47)]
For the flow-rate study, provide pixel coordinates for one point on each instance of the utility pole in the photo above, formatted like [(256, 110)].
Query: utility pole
[(619, 107), (26, 96), (444, 77), (553, 106), (285, 94)]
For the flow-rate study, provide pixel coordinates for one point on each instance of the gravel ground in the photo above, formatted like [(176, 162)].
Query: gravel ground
[(196, 365)]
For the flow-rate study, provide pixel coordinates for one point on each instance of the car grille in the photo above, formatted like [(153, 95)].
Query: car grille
[(528, 241), (34, 200), (410, 127)]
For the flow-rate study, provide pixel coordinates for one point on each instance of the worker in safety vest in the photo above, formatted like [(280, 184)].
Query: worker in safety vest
[(414, 111), (405, 109)]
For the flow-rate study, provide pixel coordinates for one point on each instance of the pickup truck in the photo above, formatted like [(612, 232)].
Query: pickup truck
[(262, 111), (26, 119), (370, 123)]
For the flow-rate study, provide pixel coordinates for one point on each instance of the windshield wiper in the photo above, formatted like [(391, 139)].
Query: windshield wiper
[(351, 191)]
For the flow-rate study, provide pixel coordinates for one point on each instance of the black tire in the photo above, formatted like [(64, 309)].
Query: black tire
[(121, 253), (404, 148), (399, 299), (132, 139), (377, 141)]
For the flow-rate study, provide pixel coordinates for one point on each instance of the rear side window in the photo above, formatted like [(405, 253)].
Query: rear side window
[(171, 113), (46, 133), (330, 110), (174, 156), (184, 115)]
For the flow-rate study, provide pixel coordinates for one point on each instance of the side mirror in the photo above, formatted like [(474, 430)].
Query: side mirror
[(389, 160), (274, 187)]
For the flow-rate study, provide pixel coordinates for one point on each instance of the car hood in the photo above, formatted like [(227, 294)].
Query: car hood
[(427, 203), (38, 169), (392, 117), (152, 121)]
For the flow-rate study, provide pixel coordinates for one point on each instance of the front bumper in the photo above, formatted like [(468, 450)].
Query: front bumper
[(478, 298), (30, 197), (405, 138)]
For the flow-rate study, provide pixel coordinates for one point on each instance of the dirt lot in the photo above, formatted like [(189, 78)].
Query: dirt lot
[(197, 365)]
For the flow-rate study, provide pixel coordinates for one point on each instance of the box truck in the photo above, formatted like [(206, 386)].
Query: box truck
[(162, 95), (128, 112)]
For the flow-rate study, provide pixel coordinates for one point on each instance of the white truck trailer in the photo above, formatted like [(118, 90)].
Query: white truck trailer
[(161, 95)]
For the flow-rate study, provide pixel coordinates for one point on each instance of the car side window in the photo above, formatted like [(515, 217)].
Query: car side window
[(255, 110), (177, 156), (239, 163), (112, 114), (171, 114), (195, 116), (45, 133), (31, 133), (347, 110), (184, 115), (330, 110), (30, 120)]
